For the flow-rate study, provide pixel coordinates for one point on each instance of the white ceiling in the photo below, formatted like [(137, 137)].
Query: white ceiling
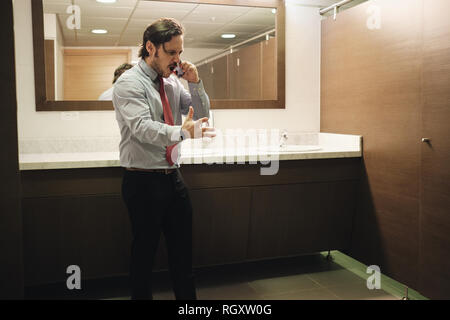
[(126, 21)]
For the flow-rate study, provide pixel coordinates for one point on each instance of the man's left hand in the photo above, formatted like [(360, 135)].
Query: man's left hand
[(190, 72)]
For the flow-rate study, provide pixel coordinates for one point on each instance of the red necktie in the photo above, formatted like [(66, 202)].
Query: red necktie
[(168, 119)]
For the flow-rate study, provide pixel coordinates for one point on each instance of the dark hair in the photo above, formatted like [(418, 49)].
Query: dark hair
[(159, 32), (121, 69)]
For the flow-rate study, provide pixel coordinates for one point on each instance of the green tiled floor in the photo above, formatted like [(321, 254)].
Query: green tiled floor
[(301, 278)]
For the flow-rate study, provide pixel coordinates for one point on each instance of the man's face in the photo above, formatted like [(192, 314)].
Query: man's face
[(167, 56)]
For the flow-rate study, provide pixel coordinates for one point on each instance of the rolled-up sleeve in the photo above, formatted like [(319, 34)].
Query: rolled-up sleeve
[(197, 98), (130, 102)]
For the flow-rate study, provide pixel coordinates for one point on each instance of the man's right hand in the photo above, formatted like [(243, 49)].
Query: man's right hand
[(193, 129)]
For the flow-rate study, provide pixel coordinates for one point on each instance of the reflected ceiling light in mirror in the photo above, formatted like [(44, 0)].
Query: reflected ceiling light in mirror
[(274, 11), (228, 36), (99, 31), (106, 1)]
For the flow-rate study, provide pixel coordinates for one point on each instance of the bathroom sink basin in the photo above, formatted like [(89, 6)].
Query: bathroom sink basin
[(289, 148)]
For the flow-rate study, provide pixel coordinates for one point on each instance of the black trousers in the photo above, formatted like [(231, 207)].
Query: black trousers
[(159, 202)]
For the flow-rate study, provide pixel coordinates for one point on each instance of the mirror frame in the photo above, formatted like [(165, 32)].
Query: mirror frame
[(43, 104)]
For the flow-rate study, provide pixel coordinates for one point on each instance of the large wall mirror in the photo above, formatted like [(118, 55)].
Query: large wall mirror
[(237, 46)]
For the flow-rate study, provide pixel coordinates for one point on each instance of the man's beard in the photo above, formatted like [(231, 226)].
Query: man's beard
[(162, 71), (157, 68)]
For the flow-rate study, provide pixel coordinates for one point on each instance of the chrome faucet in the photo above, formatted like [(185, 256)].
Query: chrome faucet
[(283, 138)]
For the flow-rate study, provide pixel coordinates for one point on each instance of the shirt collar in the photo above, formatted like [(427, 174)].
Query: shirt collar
[(148, 70)]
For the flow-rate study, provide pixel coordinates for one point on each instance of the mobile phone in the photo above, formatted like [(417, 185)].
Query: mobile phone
[(178, 70)]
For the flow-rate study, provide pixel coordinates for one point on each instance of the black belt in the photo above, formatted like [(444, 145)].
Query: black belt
[(165, 171)]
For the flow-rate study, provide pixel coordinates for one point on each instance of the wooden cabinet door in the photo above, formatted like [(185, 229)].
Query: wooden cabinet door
[(301, 218), (288, 220), (92, 232), (220, 226), (434, 279)]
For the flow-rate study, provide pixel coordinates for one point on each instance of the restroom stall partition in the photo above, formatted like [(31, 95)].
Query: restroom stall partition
[(248, 73), (385, 74)]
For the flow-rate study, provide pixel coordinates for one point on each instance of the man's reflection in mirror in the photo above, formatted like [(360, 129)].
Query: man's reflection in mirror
[(107, 95)]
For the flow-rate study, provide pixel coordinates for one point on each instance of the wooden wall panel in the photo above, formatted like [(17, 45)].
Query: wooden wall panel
[(88, 73), (249, 72), (269, 69), (220, 78), (215, 78), (371, 85), (245, 73), (205, 75), (435, 188), (233, 75), (254, 78), (11, 260)]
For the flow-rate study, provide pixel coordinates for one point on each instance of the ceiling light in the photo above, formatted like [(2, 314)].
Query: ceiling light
[(99, 31), (106, 1), (228, 36)]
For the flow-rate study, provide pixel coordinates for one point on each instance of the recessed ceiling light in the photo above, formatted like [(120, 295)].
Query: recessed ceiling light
[(106, 1), (228, 36), (99, 31)]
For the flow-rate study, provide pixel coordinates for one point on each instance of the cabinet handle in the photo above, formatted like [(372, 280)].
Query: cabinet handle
[(427, 140)]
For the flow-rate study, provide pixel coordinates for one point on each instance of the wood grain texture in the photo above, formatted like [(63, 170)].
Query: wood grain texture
[(88, 73), (71, 182), (11, 258), (371, 85), (290, 172), (268, 70), (221, 223), (77, 216), (221, 87), (245, 73), (301, 218), (204, 73), (92, 232), (435, 173), (90, 181), (216, 77)]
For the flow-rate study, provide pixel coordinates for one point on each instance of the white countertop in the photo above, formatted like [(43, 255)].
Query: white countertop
[(331, 146)]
